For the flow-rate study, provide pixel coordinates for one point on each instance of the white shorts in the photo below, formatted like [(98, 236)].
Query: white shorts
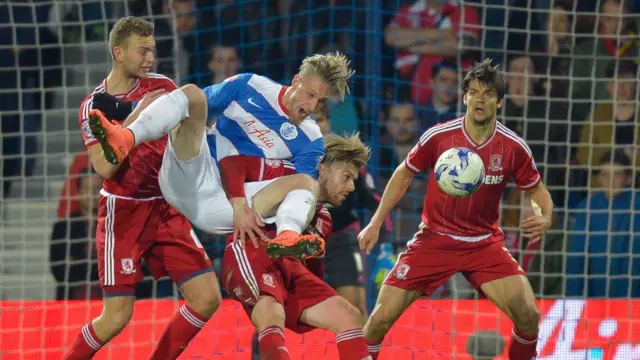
[(194, 188)]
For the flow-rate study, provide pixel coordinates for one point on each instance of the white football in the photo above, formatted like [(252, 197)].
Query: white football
[(459, 172)]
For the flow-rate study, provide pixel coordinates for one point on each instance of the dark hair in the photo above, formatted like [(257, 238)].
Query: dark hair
[(487, 75), (618, 157), (617, 68), (443, 65)]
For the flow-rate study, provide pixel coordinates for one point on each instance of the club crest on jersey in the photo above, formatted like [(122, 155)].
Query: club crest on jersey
[(288, 131), (127, 266), (495, 163), (267, 279), (402, 271)]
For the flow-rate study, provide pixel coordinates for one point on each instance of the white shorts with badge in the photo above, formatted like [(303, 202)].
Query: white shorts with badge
[(194, 188)]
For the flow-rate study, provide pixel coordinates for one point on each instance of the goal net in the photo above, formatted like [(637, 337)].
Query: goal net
[(571, 94)]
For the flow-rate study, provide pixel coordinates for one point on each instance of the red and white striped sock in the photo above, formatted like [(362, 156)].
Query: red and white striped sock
[(271, 344), (523, 346), (374, 348), (183, 327), (351, 345), (85, 345)]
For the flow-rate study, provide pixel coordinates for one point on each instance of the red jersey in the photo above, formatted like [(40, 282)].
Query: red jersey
[(137, 176), (505, 155)]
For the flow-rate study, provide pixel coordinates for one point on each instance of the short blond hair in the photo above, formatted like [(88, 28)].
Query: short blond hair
[(126, 27), (348, 149), (333, 68)]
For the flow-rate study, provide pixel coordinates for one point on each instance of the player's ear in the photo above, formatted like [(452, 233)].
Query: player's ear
[(118, 54), (464, 99), (499, 104), (296, 80)]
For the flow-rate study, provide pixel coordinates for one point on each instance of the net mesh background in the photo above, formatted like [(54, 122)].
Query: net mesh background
[(571, 94)]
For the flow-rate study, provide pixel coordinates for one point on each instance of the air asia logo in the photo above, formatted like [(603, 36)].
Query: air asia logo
[(257, 130)]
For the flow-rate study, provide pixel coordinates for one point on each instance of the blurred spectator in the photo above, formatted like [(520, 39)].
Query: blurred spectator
[(603, 257), (225, 62), (69, 202), (443, 102), (189, 59), (485, 345), (543, 261), (425, 34), (556, 46), (613, 124), (30, 67), (72, 255), (616, 40), (306, 24), (541, 121), (253, 27), (401, 135)]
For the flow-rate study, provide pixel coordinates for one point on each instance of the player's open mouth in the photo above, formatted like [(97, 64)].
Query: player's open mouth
[(145, 69), (479, 110), (302, 114)]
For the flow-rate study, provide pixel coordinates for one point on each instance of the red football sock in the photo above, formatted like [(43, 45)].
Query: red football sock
[(85, 345), (272, 346), (184, 325), (374, 348), (523, 347), (351, 345)]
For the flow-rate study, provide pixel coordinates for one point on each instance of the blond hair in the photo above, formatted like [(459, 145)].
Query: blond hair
[(348, 149), (333, 68), (126, 27)]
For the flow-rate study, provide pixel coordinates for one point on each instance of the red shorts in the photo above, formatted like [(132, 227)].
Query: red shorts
[(129, 230), (249, 273), (431, 259)]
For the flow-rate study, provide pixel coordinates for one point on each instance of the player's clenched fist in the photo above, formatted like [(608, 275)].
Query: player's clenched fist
[(368, 237)]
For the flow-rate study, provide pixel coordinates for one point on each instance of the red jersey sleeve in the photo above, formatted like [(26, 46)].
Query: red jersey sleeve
[(423, 155), (233, 173), (83, 119), (401, 18), (465, 20), (236, 170), (526, 174)]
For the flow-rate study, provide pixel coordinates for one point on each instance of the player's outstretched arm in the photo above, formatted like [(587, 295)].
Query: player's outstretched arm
[(536, 225), (395, 190)]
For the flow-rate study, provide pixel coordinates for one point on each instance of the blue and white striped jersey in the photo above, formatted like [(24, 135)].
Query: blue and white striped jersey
[(252, 121)]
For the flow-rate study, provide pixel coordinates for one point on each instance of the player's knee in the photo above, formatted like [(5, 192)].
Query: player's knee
[(116, 314), (205, 303), (195, 95), (267, 312), (526, 316), (347, 316)]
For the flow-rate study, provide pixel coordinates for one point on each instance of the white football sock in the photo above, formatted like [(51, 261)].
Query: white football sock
[(160, 117), (296, 211)]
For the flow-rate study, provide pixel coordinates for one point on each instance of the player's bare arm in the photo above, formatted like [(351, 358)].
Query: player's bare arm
[(536, 225), (395, 190)]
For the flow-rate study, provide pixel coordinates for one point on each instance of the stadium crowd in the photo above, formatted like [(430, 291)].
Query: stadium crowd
[(572, 94)]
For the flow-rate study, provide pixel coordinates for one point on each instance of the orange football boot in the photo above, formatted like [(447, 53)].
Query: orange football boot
[(116, 141), (290, 243)]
